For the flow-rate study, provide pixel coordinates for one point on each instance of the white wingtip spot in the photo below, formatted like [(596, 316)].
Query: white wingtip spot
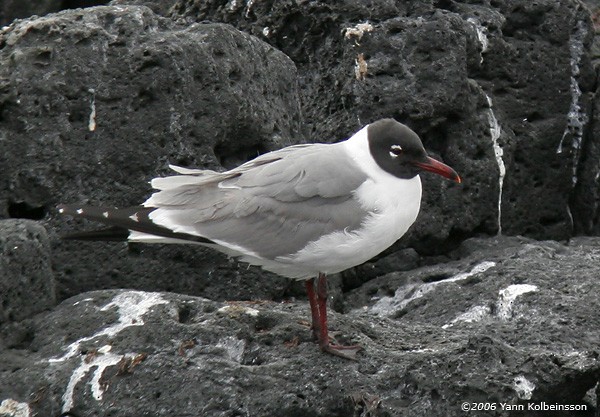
[(134, 217), (79, 211), (61, 210), (105, 214)]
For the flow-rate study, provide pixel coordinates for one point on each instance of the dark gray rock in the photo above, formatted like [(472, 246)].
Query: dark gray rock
[(594, 7), (436, 66), (519, 326), (586, 199), (402, 260), (96, 102), (18, 9), (26, 281)]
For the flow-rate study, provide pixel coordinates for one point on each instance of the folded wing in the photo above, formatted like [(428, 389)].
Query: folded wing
[(271, 206)]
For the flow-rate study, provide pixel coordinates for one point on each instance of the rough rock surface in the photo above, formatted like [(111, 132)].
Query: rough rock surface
[(96, 102), (476, 81), (509, 320), (27, 284), (473, 79)]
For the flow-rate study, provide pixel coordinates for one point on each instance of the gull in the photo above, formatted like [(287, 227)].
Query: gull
[(303, 212)]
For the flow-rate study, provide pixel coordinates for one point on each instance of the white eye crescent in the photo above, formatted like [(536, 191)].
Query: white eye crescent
[(395, 150)]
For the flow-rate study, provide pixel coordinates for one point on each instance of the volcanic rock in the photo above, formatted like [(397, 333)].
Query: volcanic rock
[(509, 321), (96, 102)]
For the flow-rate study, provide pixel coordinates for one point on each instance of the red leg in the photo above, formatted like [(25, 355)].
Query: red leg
[(314, 308), (322, 306), (348, 352)]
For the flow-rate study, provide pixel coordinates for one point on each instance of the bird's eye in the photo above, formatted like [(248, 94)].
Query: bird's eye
[(395, 151)]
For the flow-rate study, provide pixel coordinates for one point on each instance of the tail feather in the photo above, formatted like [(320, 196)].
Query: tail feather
[(122, 221)]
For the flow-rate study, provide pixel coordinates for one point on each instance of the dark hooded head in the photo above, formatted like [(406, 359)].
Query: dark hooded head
[(399, 151)]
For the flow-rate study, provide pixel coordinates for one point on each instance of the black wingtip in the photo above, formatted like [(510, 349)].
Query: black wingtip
[(122, 221), (110, 234)]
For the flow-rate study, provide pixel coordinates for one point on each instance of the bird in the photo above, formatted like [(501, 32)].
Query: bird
[(303, 212)]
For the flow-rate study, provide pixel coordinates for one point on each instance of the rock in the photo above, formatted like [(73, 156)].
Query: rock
[(490, 88), (494, 90), (15, 9), (160, 7), (26, 279), (402, 260), (510, 321), (18, 9), (96, 102)]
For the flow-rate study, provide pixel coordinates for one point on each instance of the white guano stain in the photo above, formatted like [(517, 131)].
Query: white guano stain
[(236, 309), (85, 300), (507, 297), (473, 315), (357, 31), (523, 387), (481, 35), (504, 306), (12, 408), (495, 131), (92, 120), (232, 5), (131, 307), (249, 5), (390, 305), (576, 117), (101, 361)]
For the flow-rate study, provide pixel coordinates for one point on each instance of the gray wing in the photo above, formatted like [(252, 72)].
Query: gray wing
[(271, 206)]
